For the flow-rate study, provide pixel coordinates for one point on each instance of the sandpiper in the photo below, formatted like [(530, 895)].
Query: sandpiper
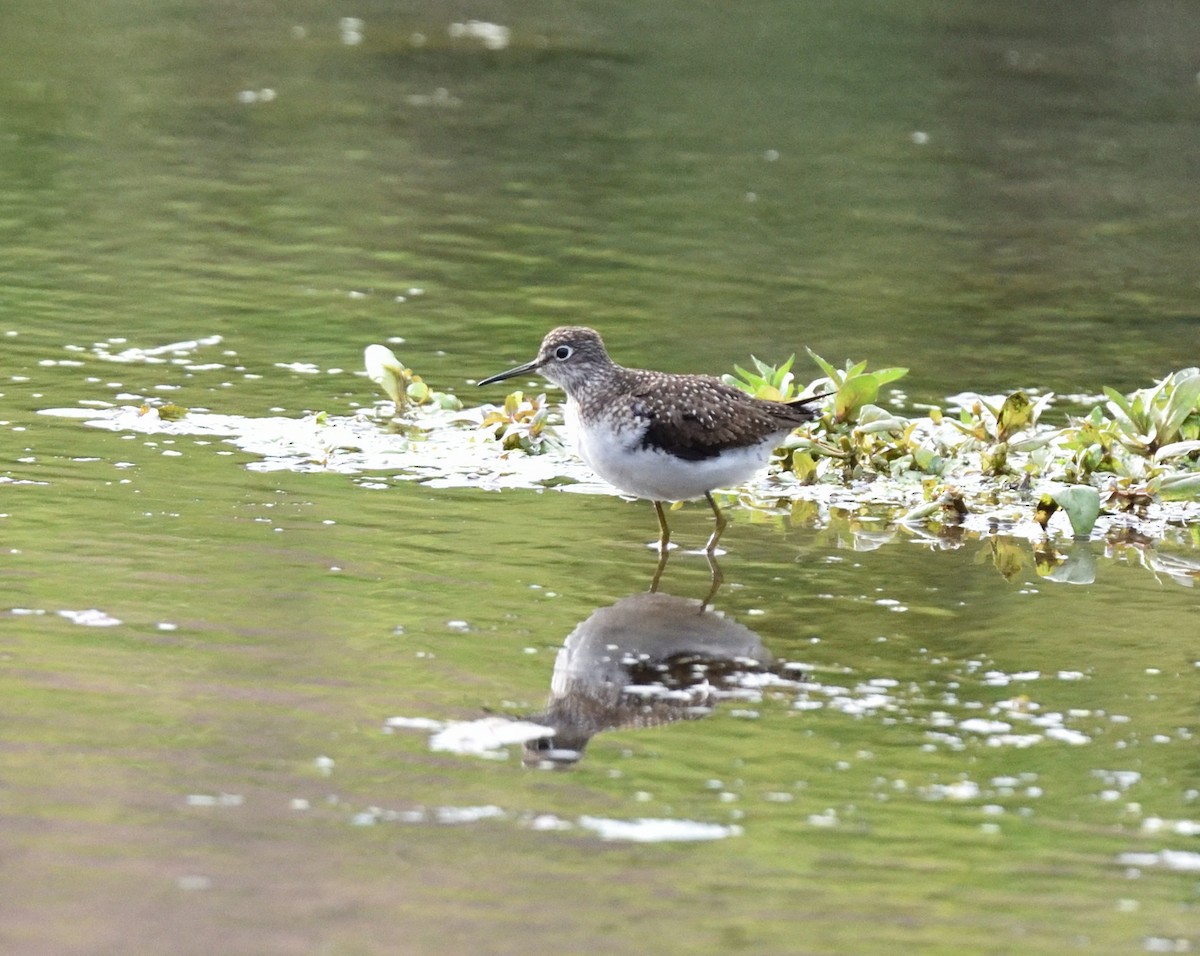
[(658, 435)]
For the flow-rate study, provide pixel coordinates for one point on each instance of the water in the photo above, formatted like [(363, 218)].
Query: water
[(202, 651)]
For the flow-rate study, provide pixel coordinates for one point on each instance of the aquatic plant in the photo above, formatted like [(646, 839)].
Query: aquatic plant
[(401, 384), (520, 422), (1142, 446), (851, 431), (167, 411), (855, 389), (1080, 503), (770, 382), (1150, 420), (1129, 468)]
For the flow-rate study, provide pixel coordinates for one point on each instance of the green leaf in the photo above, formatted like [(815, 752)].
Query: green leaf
[(830, 372), (1030, 443), (1082, 506), (1182, 403), (920, 512), (872, 420), (990, 407), (744, 375), (994, 460), (929, 461), (1173, 450), (1179, 487), (1119, 405), (1014, 415), (853, 394), (804, 467), (886, 375)]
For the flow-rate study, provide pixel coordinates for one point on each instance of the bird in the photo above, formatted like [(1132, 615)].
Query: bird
[(659, 435), (647, 660)]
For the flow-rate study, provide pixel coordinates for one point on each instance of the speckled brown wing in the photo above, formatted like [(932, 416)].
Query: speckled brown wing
[(696, 417)]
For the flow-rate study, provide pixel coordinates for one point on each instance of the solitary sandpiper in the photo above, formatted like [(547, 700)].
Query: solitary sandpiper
[(657, 435)]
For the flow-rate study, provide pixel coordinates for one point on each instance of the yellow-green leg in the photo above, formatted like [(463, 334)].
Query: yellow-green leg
[(716, 535), (664, 539), (664, 533)]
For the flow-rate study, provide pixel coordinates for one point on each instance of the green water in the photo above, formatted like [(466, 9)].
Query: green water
[(975, 761)]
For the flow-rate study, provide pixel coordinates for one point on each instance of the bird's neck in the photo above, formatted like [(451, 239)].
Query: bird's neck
[(599, 388)]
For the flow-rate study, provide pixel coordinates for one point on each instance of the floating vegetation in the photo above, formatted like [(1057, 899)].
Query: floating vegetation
[(168, 412), (403, 386), (987, 468), (1080, 502), (1135, 450), (521, 423)]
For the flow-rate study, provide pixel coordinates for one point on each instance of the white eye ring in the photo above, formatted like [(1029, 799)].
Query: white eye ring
[(563, 352)]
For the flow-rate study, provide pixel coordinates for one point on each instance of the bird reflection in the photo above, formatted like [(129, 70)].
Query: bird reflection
[(715, 581), (647, 660)]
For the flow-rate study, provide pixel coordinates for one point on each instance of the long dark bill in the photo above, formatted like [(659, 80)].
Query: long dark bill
[(512, 372)]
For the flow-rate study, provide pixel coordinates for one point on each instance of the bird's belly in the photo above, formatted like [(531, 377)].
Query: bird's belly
[(617, 456)]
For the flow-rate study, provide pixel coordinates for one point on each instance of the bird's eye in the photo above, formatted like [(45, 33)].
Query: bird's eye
[(563, 352)]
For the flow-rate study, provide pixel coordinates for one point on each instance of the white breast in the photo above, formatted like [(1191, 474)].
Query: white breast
[(617, 456)]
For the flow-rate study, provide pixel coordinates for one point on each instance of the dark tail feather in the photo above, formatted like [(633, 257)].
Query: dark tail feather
[(805, 404)]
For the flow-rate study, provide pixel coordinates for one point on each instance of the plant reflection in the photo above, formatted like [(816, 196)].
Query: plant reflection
[(1172, 554)]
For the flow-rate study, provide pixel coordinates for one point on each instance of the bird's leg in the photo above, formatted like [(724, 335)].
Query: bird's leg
[(664, 538), (716, 535), (664, 533)]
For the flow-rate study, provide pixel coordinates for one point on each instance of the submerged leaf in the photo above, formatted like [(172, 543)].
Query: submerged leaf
[(1078, 567)]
